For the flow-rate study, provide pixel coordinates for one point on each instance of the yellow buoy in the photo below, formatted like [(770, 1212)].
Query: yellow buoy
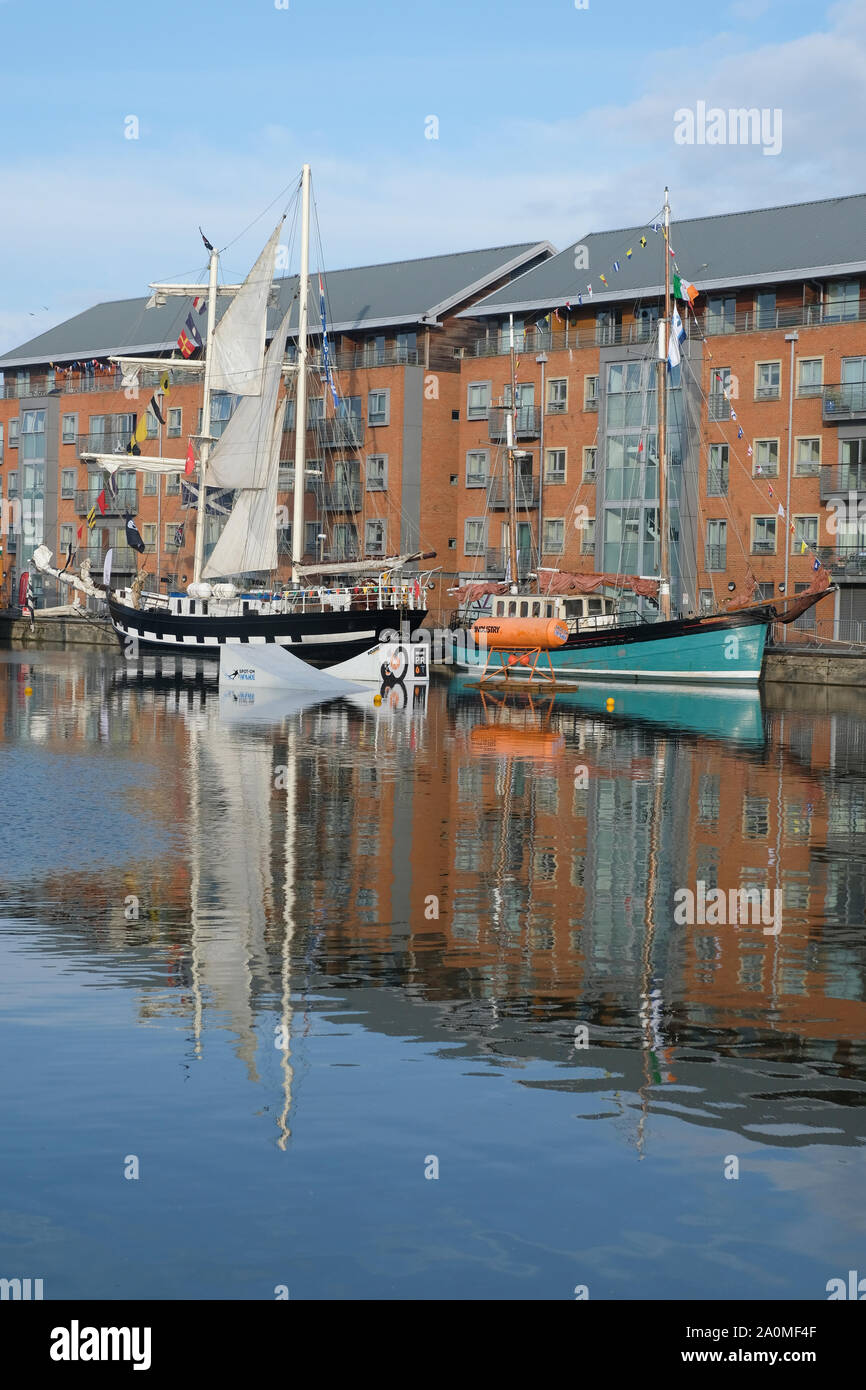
[(28, 690), (609, 702), (377, 699)]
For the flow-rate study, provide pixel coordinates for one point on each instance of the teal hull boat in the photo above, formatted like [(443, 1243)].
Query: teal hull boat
[(728, 650)]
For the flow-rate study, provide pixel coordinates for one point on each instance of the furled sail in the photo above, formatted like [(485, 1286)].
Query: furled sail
[(248, 544), (235, 459), (238, 344)]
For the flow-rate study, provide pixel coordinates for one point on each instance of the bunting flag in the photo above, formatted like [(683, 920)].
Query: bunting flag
[(156, 410), (178, 535), (802, 547), (199, 303), (141, 430), (628, 253), (616, 266), (733, 415), (164, 384), (69, 555), (684, 289), (769, 489), (817, 564), (781, 510), (739, 431), (91, 518), (186, 344), (589, 290), (100, 501), (189, 467), (749, 451), (643, 241), (602, 279), (106, 568)]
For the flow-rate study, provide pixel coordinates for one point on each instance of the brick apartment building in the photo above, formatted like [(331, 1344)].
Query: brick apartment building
[(767, 409)]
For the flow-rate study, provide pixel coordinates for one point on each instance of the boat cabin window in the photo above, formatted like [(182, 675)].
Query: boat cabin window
[(536, 609), (512, 609), (596, 605), (500, 609), (574, 607), (549, 612), (524, 609)]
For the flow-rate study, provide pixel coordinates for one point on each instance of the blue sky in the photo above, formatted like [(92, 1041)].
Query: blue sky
[(553, 121)]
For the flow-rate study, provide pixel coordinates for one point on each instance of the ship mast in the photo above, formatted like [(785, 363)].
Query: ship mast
[(301, 387), (514, 567), (205, 435), (664, 523)]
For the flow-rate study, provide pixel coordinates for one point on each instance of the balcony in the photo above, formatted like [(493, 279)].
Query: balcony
[(496, 561), (112, 442), (718, 406), (717, 482), (344, 433), (125, 503), (286, 480), (844, 402), (525, 494), (716, 558), (526, 422), (844, 559), (763, 547), (124, 560), (343, 497), (767, 393), (838, 479)]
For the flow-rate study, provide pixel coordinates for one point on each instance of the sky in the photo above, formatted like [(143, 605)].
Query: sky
[(554, 118)]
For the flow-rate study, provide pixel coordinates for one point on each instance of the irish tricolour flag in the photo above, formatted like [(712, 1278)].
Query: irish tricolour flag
[(684, 289)]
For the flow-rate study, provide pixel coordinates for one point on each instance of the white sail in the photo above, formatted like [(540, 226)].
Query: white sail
[(248, 544), (239, 338), (236, 459)]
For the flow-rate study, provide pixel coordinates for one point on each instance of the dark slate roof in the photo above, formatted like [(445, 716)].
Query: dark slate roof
[(369, 297), (766, 246)]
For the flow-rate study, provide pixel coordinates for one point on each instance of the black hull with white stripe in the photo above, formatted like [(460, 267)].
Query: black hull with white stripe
[(319, 638)]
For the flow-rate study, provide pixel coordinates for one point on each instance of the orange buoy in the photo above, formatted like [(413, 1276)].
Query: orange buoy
[(520, 634), (609, 704)]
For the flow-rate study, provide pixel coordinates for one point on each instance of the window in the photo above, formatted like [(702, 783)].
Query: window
[(805, 529), (557, 396), (477, 468), (406, 345), (172, 484), (23, 384), (474, 536), (605, 327), (152, 424), (766, 458), (590, 393), (554, 537), (169, 536), (378, 407), (810, 376), (68, 478), (315, 411), (377, 472), (374, 537), (768, 381), (175, 422), (587, 536), (67, 537), (765, 309), (852, 472), (590, 460), (763, 535), (1, 442), (452, 542), (706, 600), (554, 465), (374, 350), (68, 429), (311, 538), (13, 484), (645, 322), (13, 434), (150, 484), (807, 459), (717, 545), (717, 471), (33, 434), (721, 315), (477, 400), (148, 535), (719, 400), (220, 413), (842, 304)]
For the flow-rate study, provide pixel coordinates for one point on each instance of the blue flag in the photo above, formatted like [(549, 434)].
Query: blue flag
[(326, 353)]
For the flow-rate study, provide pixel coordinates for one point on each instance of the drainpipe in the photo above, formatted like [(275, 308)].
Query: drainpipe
[(791, 338), (541, 359)]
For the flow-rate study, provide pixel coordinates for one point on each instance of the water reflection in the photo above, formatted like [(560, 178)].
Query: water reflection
[(486, 877)]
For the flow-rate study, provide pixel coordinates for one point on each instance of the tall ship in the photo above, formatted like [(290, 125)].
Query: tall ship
[(607, 639), (328, 612)]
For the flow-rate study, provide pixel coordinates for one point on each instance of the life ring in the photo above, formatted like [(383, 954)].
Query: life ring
[(393, 671)]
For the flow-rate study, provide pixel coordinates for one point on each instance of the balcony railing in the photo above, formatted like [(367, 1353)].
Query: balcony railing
[(123, 558), (763, 547), (496, 561), (717, 482), (844, 402), (525, 493), (526, 422), (838, 479), (340, 433), (125, 503), (767, 393), (716, 558), (112, 442), (718, 406), (343, 497), (845, 558), (286, 481)]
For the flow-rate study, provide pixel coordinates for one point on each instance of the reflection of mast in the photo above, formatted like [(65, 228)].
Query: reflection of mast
[(650, 1001), (195, 885), (289, 915)]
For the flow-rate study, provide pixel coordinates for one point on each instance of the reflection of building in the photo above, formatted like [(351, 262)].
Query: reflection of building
[(303, 856)]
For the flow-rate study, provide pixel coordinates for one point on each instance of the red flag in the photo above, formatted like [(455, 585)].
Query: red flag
[(80, 529), (190, 460), (100, 501)]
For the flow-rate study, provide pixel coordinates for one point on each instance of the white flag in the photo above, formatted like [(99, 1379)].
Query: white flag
[(673, 351), (677, 325), (106, 568)]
